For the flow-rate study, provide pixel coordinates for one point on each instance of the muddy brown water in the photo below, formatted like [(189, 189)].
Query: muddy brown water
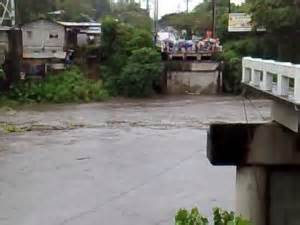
[(121, 162)]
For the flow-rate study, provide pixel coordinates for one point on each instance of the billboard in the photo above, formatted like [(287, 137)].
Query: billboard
[(239, 22)]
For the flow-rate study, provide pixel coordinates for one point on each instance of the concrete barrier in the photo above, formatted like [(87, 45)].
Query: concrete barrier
[(280, 79), (194, 78)]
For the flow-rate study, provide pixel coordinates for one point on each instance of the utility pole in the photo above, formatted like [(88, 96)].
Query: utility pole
[(148, 6), (13, 12), (187, 6), (214, 8), (155, 15)]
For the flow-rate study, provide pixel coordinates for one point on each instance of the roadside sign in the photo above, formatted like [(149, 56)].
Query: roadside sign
[(239, 22), (242, 22)]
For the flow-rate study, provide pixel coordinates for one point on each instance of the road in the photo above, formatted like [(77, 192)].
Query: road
[(122, 162)]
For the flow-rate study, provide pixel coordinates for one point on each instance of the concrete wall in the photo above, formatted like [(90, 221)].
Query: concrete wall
[(196, 78), (253, 144), (268, 195), (274, 145)]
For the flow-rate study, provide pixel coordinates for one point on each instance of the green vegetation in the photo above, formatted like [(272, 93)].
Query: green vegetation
[(82, 10), (142, 71), (74, 10), (11, 128), (131, 65), (184, 217), (131, 13), (67, 86), (220, 217)]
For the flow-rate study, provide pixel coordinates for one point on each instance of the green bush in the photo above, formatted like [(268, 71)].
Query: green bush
[(232, 57), (141, 72), (220, 217), (130, 65), (67, 86), (184, 217)]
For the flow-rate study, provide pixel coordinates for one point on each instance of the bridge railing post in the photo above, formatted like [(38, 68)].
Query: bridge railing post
[(246, 75), (282, 85), (267, 76), (267, 81), (297, 84), (255, 81)]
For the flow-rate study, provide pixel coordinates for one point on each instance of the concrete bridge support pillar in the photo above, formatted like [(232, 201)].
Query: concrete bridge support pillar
[(251, 185), (267, 157)]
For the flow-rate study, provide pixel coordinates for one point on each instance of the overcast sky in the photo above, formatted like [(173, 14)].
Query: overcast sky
[(171, 6)]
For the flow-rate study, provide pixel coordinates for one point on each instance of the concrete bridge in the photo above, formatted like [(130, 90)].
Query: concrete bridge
[(193, 77), (267, 155)]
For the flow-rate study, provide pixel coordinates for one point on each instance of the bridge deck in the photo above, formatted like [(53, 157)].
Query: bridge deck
[(190, 55)]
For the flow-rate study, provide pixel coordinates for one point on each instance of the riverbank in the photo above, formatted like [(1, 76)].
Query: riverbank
[(166, 111)]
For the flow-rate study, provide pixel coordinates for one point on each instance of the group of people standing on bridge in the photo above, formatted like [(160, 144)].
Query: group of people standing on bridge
[(194, 45)]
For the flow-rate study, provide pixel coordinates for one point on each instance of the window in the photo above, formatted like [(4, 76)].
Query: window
[(29, 34), (52, 36)]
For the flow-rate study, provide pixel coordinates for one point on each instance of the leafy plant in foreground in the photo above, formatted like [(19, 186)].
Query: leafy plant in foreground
[(184, 217), (220, 217)]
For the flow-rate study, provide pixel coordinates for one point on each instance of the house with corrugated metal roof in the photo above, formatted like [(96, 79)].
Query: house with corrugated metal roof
[(44, 44), (80, 34)]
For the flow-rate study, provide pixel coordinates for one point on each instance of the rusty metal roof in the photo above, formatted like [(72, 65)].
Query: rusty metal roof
[(79, 24), (44, 55)]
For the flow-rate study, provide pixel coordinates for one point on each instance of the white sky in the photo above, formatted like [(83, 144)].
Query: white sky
[(172, 6)]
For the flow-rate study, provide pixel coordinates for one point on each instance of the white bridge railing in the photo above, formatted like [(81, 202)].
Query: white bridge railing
[(280, 79)]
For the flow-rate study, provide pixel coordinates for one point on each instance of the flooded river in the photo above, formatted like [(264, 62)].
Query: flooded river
[(122, 162)]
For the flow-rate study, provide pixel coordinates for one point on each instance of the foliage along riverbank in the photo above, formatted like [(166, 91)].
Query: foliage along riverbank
[(67, 86), (130, 66)]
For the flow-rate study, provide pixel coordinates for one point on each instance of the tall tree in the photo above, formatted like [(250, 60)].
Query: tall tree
[(132, 14), (74, 9), (103, 8), (281, 18), (32, 9)]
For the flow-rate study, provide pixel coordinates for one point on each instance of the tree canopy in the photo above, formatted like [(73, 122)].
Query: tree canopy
[(75, 10), (277, 16), (32, 9), (83, 10)]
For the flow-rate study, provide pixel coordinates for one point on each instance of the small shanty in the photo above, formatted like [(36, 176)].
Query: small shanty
[(47, 43)]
